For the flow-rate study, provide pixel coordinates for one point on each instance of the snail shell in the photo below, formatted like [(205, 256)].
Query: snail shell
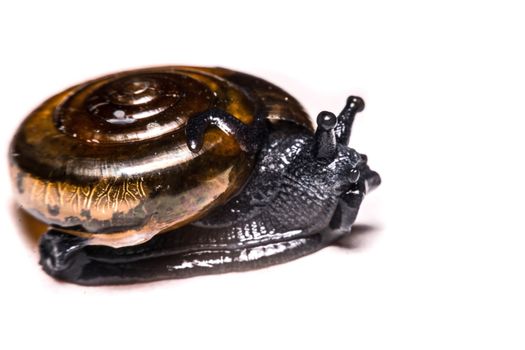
[(108, 160)]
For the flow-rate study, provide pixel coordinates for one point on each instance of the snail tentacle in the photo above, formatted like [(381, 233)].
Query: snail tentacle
[(325, 146), (343, 129), (249, 136)]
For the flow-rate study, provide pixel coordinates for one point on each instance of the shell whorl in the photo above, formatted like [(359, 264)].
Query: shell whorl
[(143, 105), (108, 158)]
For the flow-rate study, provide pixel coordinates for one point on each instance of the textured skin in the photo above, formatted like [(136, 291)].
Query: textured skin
[(293, 205)]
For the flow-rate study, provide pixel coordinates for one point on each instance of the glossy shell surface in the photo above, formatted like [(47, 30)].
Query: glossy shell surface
[(108, 159)]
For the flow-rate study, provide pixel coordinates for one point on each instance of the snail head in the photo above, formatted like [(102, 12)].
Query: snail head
[(331, 148)]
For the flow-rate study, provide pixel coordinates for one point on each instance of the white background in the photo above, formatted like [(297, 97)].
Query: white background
[(439, 260)]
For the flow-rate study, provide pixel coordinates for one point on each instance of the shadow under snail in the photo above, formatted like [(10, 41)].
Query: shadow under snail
[(173, 172)]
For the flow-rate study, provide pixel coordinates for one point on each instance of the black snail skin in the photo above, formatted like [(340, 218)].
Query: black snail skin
[(173, 172)]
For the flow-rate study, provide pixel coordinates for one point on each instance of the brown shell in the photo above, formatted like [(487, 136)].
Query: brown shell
[(108, 159)]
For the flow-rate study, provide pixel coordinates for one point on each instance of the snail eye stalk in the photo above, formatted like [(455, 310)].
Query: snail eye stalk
[(343, 129), (325, 147)]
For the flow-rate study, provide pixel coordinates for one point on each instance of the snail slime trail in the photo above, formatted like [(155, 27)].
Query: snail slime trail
[(173, 172)]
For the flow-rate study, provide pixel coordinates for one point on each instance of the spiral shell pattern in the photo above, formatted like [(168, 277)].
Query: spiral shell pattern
[(108, 159)]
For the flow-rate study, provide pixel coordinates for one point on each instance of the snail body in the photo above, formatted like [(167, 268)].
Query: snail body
[(177, 171)]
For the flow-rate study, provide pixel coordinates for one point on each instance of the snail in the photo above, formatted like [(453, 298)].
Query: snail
[(172, 172)]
